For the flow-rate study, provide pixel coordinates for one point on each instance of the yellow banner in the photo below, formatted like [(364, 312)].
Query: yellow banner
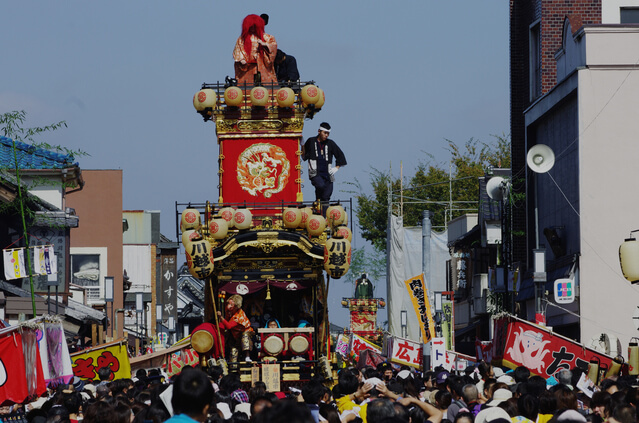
[(113, 355), (419, 297)]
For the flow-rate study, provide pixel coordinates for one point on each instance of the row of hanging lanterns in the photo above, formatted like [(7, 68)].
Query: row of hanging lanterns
[(259, 97)]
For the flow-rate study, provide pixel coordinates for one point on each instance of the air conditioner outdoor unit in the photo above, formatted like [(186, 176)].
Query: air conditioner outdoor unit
[(480, 292)]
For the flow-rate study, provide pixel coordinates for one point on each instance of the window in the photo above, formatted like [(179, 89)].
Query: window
[(534, 46), (629, 15), (85, 272)]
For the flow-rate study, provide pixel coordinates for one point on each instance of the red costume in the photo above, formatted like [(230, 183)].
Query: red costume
[(250, 56)]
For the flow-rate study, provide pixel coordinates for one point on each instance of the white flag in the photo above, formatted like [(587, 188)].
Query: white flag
[(14, 267), (45, 262)]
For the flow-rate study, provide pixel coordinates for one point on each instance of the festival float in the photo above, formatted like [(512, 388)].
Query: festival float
[(259, 239)]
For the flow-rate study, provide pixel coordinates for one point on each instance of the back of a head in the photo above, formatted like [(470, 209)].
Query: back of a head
[(379, 409), (104, 373), (456, 385), (99, 412), (625, 413), (230, 383), (288, 411), (312, 392), (470, 393), (566, 398), (329, 413), (72, 402), (536, 385), (58, 414), (528, 406), (564, 376), (347, 382), (192, 391), (521, 374)]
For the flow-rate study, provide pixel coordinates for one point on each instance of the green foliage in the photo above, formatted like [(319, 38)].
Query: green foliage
[(12, 126), (433, 187), (363, 261)]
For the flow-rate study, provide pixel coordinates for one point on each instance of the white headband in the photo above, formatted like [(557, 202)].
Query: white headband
[(323, 128)]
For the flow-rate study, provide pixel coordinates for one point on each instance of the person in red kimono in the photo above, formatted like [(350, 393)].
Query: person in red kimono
[(238, 328), (255, 52)]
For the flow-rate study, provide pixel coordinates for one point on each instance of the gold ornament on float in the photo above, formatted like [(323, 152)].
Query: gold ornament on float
[(233, 96), (204, 98)]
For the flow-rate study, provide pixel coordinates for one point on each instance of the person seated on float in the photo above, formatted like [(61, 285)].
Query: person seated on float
[(272, 324), (238, 328), (254, 52)]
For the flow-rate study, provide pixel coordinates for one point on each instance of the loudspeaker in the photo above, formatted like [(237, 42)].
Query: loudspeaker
[(540, 158), (493, 188)]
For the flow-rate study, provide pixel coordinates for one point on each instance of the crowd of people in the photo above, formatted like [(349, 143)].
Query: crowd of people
[(482, 394)]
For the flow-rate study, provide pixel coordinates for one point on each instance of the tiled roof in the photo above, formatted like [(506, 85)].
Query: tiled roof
[(31, 157)]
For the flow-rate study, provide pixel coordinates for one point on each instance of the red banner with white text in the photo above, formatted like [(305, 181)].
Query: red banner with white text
[(543, 352)]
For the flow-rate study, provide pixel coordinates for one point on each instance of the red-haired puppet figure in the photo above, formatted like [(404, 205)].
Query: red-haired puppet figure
[(254, 51)]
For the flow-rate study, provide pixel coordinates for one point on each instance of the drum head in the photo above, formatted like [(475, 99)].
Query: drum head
[(273, 345), (202, 341), (298, 344)]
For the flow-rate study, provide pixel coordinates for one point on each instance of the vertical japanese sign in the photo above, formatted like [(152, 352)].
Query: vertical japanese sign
[(407, 352), (447, 324), (169, 286), (271, 377), (460, 269), (438, 352), (421, 303)]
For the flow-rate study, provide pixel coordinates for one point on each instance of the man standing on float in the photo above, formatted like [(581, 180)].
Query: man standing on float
[(319, 151)]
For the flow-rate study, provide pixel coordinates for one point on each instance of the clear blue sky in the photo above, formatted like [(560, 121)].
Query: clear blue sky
[(399, 78)]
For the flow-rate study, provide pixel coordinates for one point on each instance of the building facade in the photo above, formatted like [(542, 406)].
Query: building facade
[(574, 86)]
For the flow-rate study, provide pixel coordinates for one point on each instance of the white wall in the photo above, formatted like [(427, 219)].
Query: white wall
[(137, 261), (609, 200), (610, 9)]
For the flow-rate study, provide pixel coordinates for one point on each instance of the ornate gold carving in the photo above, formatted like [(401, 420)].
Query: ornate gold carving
[(257, 125), (294, 124), (225, 125), (267, 223)]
